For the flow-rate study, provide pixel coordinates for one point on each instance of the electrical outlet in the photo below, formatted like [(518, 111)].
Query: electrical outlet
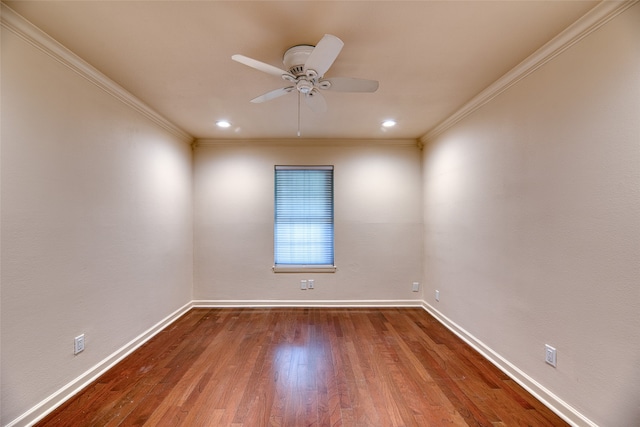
[(78, 344), (415, 287), (303, 285), (437, 295), (311, 283), (550, 355)]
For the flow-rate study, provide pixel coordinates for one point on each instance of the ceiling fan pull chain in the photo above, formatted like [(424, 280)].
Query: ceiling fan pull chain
[(298, 114)]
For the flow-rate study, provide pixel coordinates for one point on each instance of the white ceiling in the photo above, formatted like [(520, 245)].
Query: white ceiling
[(430, 57)]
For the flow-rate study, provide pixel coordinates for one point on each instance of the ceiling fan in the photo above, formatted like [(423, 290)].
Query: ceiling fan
[(305, 68)]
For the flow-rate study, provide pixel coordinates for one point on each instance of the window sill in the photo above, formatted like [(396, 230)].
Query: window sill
[(304, 269)]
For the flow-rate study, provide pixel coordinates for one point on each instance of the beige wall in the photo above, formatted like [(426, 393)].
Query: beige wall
[(525, 216), (96, 224), (378, 223), (532, 223)]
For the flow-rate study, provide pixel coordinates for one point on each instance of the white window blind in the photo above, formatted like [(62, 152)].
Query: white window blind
[(303, 223)]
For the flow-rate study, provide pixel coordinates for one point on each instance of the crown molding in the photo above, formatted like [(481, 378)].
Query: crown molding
[(293, 142), (602, 13), (28, 32)]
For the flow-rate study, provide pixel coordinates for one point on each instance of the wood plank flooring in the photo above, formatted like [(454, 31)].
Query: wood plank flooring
[(304, 367)]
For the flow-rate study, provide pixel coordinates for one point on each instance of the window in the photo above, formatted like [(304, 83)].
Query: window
[(303, 220)]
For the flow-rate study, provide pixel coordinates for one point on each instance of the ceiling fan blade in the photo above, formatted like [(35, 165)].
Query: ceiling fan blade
[(273, 94), (323, 55), (316, 101), (350, 84), (261, 66)]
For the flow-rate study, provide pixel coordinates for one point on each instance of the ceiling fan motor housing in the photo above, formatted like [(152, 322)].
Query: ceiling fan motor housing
[(295, 58)]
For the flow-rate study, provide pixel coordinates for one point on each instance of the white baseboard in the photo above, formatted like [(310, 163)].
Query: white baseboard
[(43, 408), (550, 400), (553, 402), (305, 303)]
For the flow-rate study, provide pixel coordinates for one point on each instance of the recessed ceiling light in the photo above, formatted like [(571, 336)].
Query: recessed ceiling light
[(223, 123), (389, 123)]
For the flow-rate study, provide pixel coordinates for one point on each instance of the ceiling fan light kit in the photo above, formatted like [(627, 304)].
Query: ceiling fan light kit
[(305, 66)]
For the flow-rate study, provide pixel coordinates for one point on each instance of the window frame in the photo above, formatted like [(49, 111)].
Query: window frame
[(303, 268)]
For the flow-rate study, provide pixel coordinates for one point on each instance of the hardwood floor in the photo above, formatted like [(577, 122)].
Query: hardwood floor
[(304, 367)]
